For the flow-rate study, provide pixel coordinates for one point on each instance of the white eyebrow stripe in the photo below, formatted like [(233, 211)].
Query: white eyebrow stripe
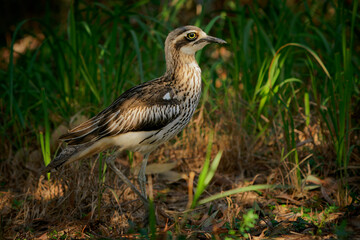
[(192, 30)]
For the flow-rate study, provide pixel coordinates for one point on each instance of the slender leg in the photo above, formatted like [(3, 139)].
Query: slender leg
[(141, 176), (110, 162)]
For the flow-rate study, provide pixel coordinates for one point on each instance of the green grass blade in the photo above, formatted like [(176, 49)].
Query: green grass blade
[(138, 54), (152, 219), (214, 165), (11, 65), (45, 139), (88, 79), (307, 108), (201, 181), (235, 191), (312, 52)]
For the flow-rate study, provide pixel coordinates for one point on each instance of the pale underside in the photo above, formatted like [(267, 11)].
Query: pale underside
[(143, 142)]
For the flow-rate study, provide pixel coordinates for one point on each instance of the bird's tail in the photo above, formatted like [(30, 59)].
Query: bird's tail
[(77, 152), (67, 155)]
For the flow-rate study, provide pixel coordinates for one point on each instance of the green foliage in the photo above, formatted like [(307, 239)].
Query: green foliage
[(235, 191), (243, 226), (341, 231), (207, 173), (55, 235), (45, 139), (248, 222), (289, 67), (152, 219), (300, 224)]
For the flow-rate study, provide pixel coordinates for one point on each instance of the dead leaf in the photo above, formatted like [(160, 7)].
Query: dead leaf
[(313, 179), (221, 180), (77, 119), (43, 236), (60, 130), (172, 176), (156, 168), (35, 161), (21, 154), (288, 198), (208, 222), (35, 156)]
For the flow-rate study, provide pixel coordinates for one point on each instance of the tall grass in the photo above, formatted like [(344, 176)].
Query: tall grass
[(45, 138), (105, 49), (281, 87)]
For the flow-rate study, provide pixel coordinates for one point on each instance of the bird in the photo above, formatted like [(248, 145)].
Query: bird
[(147, 115)]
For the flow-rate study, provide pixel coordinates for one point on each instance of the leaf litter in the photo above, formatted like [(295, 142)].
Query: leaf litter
[(75, 204)]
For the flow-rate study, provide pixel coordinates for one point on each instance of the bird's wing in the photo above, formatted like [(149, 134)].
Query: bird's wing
[(146, 107)]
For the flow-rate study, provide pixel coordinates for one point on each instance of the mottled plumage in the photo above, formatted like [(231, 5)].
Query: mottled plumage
[(149, 114)]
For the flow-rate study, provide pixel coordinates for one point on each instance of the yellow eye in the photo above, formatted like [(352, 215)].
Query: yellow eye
[(191, 36)]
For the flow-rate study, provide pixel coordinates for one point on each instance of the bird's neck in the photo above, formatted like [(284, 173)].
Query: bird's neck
[(179, 65)]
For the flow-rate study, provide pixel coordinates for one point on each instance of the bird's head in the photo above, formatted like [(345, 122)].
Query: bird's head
[(187, 40)]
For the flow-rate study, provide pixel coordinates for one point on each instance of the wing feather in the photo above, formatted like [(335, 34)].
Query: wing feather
[(141, 108)]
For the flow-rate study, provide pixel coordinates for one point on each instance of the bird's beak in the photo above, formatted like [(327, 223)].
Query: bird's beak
[(214, 40)]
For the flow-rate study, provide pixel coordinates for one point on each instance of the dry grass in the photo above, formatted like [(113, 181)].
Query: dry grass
[(75, 204)]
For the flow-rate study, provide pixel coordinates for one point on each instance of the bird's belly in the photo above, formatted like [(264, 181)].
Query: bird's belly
[(134, 141), (143, 141), (148, 141)]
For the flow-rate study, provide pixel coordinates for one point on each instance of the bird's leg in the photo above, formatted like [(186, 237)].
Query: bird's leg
[(110, 162), (141, 176)]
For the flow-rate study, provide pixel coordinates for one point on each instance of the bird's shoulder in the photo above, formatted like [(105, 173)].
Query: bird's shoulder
[(158, 92)]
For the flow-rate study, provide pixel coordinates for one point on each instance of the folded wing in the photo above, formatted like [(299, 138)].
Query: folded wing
[(142, 108)]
